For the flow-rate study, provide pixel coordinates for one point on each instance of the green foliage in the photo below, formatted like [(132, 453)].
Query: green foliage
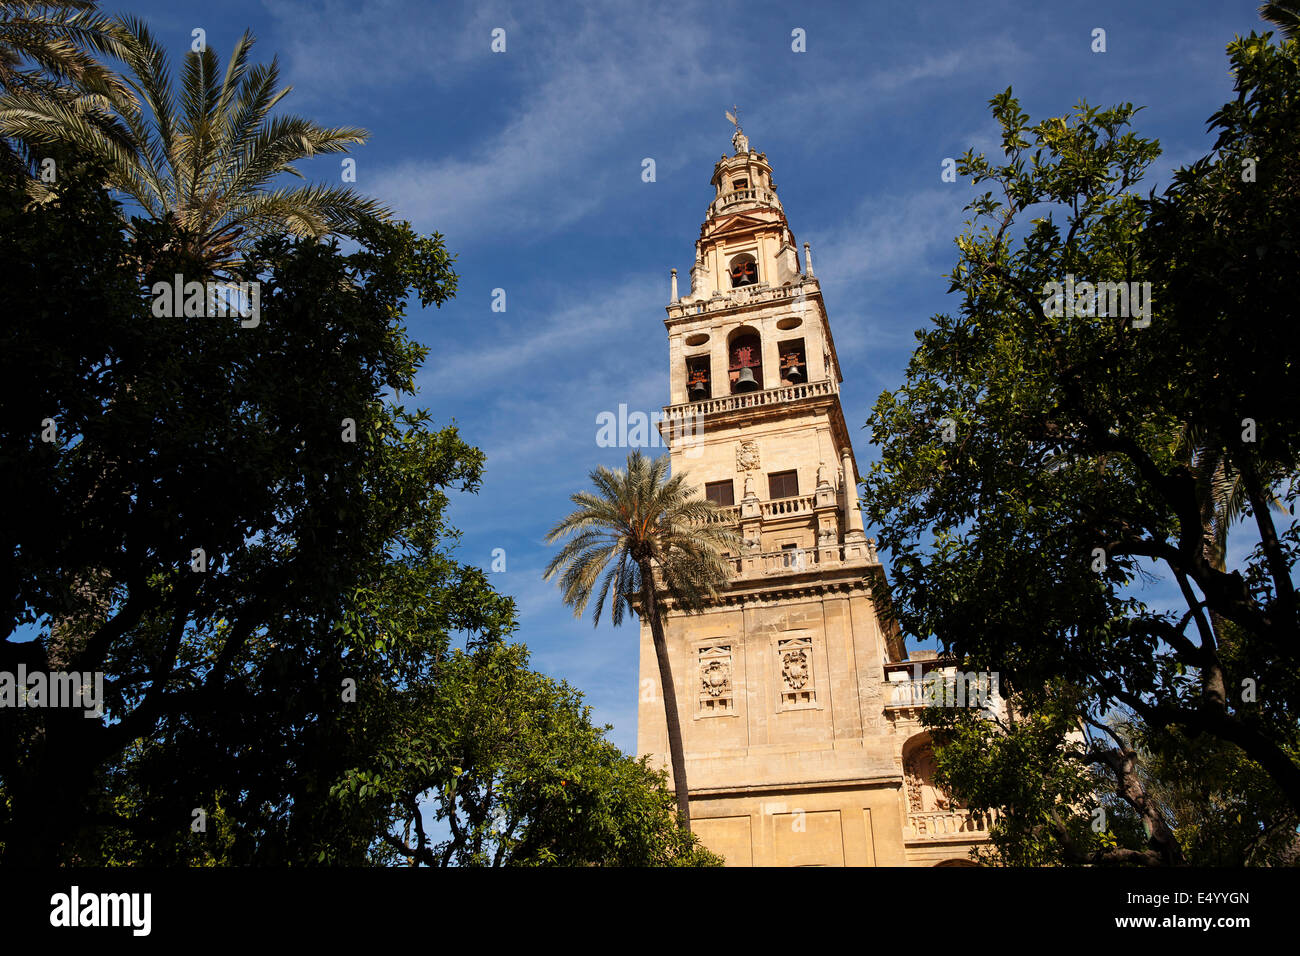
[(300, 696), (1089, 445), (1035, 769), (1223, 810), (512, 770), (1286, 14), (326, 559), (47, 58), (40, 41)]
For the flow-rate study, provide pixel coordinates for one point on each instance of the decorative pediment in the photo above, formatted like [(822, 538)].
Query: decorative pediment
[(736, 225)]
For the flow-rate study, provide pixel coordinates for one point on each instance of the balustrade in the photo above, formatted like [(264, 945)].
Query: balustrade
[(768, 396), (934, 824)]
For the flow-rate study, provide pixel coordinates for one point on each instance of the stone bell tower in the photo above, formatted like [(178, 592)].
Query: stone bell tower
[(798, 717)]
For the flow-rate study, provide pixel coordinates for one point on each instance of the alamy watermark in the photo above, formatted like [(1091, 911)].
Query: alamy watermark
[(194, 299), (975, 689), (638, 429), (1126, 300), (74, 908), (61, 689)]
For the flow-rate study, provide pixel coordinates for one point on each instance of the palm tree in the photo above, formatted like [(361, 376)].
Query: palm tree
[(644, 532), (46, 53), (207, 154), (1284, 13), (1220, 490), (43, 44), (1222, 499)]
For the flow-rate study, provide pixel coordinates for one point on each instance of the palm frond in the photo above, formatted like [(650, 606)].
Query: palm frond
[(58, 37), (207, 151), (38, 120), (1285, 14), (640, 518)]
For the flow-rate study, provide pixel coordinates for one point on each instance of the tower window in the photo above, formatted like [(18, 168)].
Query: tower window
[(741, 183), (783, 484), (744, 271), (721, 493), (794, 366), (746, 367), (697, 378)]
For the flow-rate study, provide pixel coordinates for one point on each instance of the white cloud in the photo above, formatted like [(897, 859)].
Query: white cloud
[(591, 320), (343, 50), (593, 94), (889, 238)]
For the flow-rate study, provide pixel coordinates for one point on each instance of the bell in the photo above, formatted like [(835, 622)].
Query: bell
[(745, 380), (698, 389), (792, 374)]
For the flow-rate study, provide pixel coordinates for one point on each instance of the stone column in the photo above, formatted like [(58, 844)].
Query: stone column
[(697, 271), (855, 537), (771, 355), (751, 526), (827, 511), (807, 261), (676, 371), (673, 298), (719, 360)]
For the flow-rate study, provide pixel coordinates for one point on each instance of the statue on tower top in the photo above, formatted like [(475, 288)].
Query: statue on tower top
[(738, 139)]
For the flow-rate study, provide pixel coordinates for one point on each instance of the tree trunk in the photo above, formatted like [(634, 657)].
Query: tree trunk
[(650, 608), (49, 793)]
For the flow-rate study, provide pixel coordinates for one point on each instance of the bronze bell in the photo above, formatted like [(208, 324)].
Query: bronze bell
[(745, 381), (792, 374), (698, 389)]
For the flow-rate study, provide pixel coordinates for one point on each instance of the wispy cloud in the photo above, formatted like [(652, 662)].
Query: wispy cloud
[(587, 98), (888, 238), (583, 319), (342, 50)]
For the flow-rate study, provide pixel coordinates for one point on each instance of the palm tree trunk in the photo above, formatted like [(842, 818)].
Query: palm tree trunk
[(675, 751)]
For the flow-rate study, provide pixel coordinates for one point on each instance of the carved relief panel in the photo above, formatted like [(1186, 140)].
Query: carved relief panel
[(923, 793), (716, 681), (796, 683), (747, 455)]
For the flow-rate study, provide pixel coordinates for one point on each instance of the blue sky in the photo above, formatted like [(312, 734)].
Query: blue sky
[(529, 162)]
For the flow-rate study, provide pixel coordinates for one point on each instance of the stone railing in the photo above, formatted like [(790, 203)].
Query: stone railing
[(745, 295), (909, 693), (753, 564), (799, 504), (970, 689), (768, 396), (938, 824), (743, 195), (787, 560), (797, 559), (726, 514)]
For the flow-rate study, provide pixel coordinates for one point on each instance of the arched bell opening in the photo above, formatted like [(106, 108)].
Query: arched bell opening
[(698, 384), (745, 365), (794, 366), (743, 270)]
